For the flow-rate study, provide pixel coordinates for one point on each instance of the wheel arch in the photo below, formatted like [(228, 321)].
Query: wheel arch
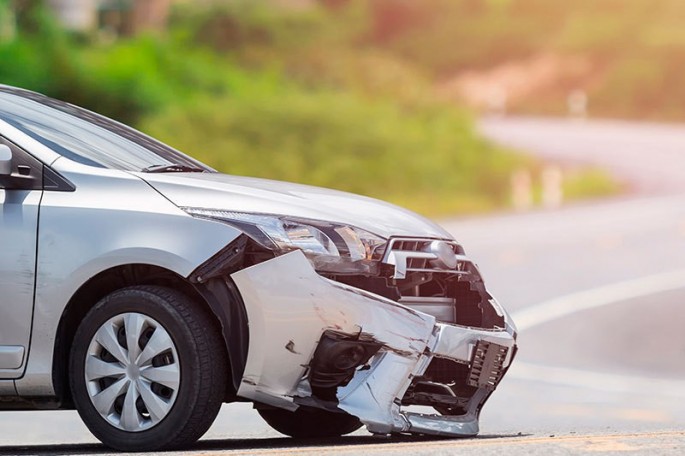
[(211, 296)]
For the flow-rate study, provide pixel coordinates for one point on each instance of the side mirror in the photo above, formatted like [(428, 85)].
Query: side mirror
[(5, 160)]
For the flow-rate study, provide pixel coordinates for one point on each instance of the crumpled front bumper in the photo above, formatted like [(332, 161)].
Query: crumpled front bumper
[(290, 307)]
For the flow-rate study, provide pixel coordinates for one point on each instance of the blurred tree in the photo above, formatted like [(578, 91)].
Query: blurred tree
[(150, 15), (26, 15), (393, 17), (131, 17)]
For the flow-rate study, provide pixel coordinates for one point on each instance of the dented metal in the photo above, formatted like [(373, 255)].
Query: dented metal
[(287, 301), (290, 307)]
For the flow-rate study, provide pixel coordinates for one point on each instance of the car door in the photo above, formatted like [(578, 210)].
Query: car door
[(20, 195)]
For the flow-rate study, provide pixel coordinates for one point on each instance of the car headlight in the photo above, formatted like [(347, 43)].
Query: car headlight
[(331, 247)]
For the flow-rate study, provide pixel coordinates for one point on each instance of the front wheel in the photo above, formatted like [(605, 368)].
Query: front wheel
[(147, 370), (310, 423)]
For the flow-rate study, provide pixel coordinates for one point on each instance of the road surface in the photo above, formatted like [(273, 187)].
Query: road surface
[(598, 291)]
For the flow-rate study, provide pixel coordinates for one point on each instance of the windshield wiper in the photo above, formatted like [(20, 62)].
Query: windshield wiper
[(173, 168)]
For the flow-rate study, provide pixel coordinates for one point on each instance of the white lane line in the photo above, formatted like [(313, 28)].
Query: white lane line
[(611, 383), (597, 297), (590, 299)]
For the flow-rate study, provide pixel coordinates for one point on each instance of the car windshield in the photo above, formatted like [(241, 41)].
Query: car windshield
[(88, 138)]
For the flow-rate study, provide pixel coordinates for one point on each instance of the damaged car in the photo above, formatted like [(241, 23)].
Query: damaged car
[(144, 289)]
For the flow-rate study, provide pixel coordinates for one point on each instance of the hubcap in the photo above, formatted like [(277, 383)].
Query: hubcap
[(132, 372)]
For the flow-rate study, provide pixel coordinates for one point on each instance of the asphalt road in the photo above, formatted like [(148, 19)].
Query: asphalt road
[(598, 291)]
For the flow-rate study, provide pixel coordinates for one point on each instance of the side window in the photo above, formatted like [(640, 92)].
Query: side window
[(27, 172)]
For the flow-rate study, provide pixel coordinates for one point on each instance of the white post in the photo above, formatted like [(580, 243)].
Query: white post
[(577, 102), (552, 187), (521, 190)]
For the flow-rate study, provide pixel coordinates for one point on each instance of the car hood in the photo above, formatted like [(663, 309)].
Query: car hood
[(252, 195)]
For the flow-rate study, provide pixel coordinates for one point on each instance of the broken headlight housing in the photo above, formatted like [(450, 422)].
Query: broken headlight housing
[(330, 247)]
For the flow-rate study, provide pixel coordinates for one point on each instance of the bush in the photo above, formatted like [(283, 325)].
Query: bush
[(287, 94), (425, 158)]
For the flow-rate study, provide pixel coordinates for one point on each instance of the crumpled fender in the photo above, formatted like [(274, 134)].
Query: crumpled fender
[(289, 306)]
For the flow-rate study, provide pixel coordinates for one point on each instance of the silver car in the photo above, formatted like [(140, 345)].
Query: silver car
[(144, 289)]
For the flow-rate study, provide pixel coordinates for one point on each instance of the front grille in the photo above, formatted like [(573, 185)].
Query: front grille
[(413, 245), (419, 245), (417, 263), (487, 367), (415, 255)]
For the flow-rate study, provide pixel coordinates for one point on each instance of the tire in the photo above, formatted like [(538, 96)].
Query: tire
[(310, 423), (170, 394)]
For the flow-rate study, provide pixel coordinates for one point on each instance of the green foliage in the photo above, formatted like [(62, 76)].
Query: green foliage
[(52, 62), (250, 26), (445, 36), (321, 96), (34, 58), (343, 141), (590, 183)]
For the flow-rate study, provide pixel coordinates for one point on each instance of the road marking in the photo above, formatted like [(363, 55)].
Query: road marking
[(598, 297), (611, 383), (570, 304)]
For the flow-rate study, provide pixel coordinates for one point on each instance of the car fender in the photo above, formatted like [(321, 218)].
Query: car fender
[(111, 219)]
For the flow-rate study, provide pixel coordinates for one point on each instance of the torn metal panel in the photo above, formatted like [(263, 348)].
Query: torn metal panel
[(373, 395), (463, 425), (292, 310), (289, 307)]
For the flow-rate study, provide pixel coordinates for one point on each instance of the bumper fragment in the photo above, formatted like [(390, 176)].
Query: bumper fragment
[(291, 310)]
